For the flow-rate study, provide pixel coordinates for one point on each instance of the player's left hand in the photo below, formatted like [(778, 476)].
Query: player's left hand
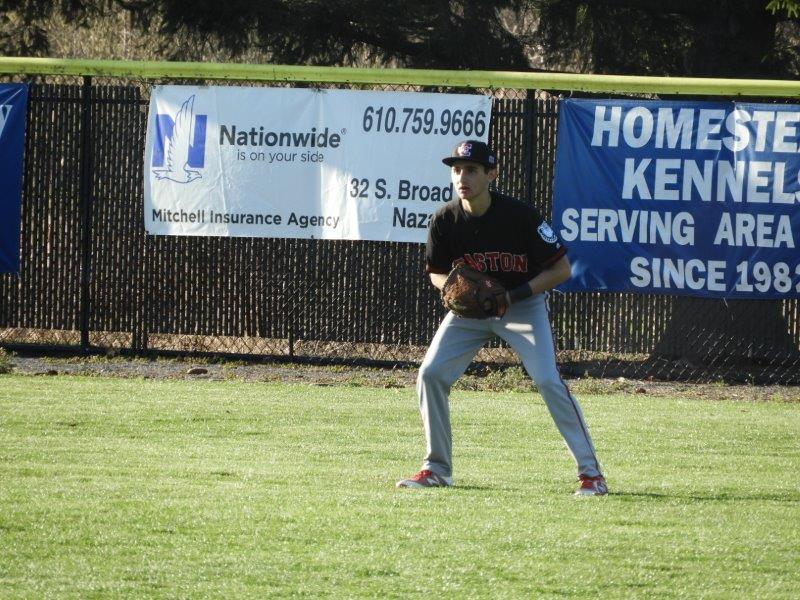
[(474, 295)]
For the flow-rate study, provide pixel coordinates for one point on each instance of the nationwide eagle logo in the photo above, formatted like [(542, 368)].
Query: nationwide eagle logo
[(5, 111), (179, 149)]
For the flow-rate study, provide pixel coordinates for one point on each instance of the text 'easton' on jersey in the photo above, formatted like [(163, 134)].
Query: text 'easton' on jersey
[(495, 261)]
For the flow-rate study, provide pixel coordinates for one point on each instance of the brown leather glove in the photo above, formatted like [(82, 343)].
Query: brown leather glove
[(473, 295)]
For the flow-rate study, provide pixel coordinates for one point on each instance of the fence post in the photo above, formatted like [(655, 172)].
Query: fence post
[(86, 208), (529, 140)]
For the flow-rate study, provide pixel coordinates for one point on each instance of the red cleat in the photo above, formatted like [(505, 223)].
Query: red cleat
[(592, 486), (425, 478)]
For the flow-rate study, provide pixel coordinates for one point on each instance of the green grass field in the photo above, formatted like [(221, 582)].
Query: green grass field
[(140, 488)]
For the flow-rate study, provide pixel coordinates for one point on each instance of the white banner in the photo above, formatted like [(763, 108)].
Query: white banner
[(301, 163)]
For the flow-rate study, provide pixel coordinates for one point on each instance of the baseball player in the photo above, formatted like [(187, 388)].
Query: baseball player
[(509, 240)]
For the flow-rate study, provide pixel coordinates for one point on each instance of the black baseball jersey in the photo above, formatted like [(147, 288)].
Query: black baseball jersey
[(510, 241)]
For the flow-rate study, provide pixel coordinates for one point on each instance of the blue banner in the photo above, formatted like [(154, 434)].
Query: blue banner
[(13, 105), (687, 198)]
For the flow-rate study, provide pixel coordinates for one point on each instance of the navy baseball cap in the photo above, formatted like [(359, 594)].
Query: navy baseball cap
[(473, 151)]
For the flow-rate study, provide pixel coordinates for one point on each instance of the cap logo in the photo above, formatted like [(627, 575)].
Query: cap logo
[(465, 149)]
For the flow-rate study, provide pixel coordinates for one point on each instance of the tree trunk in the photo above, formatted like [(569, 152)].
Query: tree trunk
[(704, 330)]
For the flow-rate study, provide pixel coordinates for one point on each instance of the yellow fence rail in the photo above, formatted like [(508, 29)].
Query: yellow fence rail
[(391, 76)]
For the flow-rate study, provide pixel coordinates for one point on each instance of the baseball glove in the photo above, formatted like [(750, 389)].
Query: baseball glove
[(471, 294)]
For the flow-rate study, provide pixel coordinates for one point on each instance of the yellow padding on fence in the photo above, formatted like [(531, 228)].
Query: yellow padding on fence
[(389, 76)]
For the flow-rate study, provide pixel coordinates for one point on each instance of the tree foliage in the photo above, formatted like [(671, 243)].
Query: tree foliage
[(428, 33), (732, 38), (790, 7), (23, 23)]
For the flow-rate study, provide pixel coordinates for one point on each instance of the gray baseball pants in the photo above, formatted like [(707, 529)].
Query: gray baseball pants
[(526, 328)]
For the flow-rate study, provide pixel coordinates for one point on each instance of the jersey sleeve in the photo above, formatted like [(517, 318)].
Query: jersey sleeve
[(546, 247), (437, 257)]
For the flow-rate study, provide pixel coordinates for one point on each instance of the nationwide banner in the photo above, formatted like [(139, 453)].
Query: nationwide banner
[(302, 163), (13, 107), (687, 198)]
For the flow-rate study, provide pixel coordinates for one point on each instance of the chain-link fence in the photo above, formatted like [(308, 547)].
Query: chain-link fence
[(92, 280)]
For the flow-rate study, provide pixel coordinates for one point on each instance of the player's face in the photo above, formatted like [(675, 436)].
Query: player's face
[(471, 180)]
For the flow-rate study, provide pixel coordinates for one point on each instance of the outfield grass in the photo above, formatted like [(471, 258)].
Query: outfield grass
[(141, 488)]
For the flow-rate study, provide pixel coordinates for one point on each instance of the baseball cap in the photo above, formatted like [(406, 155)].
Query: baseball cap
[(473, 151)]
